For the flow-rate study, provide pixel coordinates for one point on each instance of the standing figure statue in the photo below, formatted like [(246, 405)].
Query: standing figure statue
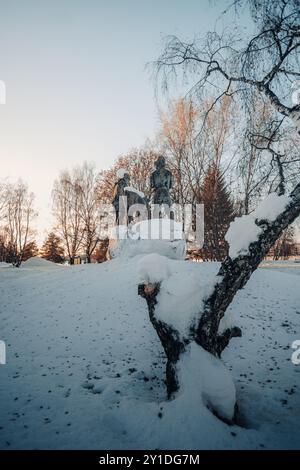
[(161, 182), (119, 190)]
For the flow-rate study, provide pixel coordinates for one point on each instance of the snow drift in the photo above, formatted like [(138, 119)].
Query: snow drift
[(85, 368), (37, 262)]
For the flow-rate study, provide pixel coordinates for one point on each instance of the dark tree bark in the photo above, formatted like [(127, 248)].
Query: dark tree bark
[(232, 276), (169, 337)]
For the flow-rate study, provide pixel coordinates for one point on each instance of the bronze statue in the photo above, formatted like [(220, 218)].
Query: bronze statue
[(119, 191), (133, 198), (120, 185), (161, 182)]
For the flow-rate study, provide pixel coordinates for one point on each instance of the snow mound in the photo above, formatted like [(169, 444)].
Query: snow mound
[(205, 378), (153, 268), (37, 262), (243, 230), (91, 316), (5, 265)]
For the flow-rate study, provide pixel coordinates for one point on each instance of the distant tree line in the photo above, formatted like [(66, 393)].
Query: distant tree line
[(17, 216), (218, 157)]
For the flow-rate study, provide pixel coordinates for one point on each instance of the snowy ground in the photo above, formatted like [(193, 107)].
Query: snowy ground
[(85, 368)]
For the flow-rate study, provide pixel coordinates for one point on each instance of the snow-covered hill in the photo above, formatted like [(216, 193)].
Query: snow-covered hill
[(85, 368)]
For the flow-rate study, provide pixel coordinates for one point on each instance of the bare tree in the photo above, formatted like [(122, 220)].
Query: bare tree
[(3, 198), (269, 159), (285, 245), (191, 152), (253, 169), (178, 140), (19, 214), (67, 199), (267, 64), (275, 140), (86, 185)]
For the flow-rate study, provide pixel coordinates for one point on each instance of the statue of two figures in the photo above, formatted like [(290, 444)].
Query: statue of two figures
[(160, 183)]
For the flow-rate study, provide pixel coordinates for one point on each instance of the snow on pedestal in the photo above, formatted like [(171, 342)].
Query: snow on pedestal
[(133, 190), (161, 236)]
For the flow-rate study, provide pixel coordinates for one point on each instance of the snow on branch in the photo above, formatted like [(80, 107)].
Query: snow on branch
[(246, 229)]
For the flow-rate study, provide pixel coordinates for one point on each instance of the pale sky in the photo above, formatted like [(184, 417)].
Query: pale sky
[(76, 84)]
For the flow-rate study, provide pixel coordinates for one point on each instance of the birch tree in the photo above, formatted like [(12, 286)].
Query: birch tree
[(265, 64), (19, 215)]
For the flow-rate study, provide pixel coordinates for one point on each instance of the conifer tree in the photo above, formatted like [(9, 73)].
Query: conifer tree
[(52, 249), (218, 213)]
